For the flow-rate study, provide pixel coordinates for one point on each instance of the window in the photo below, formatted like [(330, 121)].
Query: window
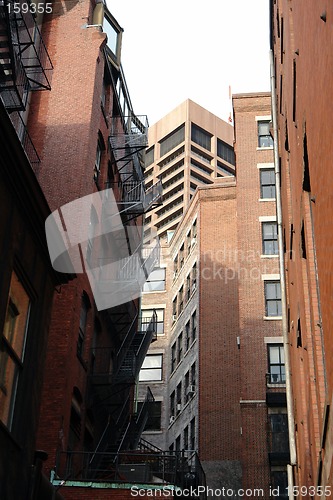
[(194, 325), (179, 347), (178, 443), (173, 356), (181, 256), (187, 336), (154, 417), (13, 347), (273, 298), (201, 137), (179, 398), (269, 238), (85, 304), (225, 151), (149, 156), (172, 403), (181, 299), (279, 432), (194, 277), (193, 374), (188, 242), (224, 169), (113, 32), (175, 266), (194, 229), (172, 140), (264, 137), (187, 381), (98, 158), (151, 368), (192, 427), (146, 316), (188, 286), (174, 309), (156, 281), (186, 438), (277, 374), (267, 183)]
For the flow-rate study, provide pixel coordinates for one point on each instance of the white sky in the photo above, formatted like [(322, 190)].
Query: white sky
[(178, 49)]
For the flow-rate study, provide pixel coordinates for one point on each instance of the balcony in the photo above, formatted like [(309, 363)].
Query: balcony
[(135, 199), (123, 367), (179, 470), (25, 64), (128, 140)]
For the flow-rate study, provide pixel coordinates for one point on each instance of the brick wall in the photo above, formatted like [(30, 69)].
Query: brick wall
[(305, 141), (252, 266)]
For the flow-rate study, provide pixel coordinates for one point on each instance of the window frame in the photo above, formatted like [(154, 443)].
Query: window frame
[(158, 368), (265, 140), (13, 341), (281, 376), (269, 239), (269, 300), (267, 186), (161, 287), (160, 313)]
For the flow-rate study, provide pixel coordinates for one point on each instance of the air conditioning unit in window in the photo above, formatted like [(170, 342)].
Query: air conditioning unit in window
[(179, 407), (174, 317), (172, 419), (193, 242), (190, 391)]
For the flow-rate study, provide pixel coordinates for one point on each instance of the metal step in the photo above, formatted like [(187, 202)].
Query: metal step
[(6, 78)]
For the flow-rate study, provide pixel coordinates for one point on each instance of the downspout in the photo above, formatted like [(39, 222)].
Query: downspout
[(290, 409)]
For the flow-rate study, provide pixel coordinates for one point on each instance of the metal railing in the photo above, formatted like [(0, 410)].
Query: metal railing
[(28, 43), (177, 469)]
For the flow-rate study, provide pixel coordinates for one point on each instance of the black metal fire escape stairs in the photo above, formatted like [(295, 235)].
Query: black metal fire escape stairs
[(24, 65), (128, 141), (111, 381), (24, 61)]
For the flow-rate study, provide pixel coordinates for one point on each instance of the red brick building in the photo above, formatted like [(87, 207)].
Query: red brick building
[(302, 61), (81, 135)]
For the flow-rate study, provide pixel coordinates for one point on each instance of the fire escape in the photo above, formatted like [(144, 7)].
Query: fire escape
[(114, 371), (24, 65)]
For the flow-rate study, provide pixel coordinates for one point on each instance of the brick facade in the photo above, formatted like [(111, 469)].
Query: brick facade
[(304, 116)]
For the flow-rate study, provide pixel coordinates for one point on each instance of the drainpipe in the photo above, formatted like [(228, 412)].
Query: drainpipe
[(290, 409)]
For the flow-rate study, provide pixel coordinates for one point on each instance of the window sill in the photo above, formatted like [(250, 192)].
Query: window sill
[(264, 256), (269, 148), (278, 386), (267, 199), (145, 382), (152, 432), (272, 318)]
